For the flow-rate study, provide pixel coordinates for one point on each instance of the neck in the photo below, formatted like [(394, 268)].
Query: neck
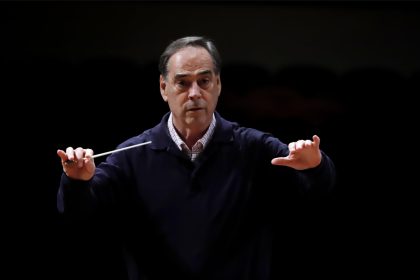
[(190, 135), (190, 131)]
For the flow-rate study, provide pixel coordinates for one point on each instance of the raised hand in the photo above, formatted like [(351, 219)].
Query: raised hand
[(303, 154), (77, 164)]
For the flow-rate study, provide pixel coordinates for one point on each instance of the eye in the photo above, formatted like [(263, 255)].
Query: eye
[(181, 84), (204, 82)]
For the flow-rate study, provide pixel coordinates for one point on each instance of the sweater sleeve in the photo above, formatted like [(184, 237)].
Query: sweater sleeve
[(86, 198), (75, 197), (313, 181), (320, 179)]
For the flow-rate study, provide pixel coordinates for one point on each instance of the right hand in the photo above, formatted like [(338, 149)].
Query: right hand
[(77, 163)]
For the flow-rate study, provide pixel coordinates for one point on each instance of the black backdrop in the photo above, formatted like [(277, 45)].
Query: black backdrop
[(85, 74)]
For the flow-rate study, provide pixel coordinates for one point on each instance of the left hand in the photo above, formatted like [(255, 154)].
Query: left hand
[(303, 154)]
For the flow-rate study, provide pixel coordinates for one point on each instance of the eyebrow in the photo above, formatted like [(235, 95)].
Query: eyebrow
[(204, 72)]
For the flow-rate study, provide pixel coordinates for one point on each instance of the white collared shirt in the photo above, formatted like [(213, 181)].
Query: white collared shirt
[(199, 146)]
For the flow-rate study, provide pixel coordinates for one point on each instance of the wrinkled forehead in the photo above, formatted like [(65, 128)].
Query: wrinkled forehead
[(190, 59)]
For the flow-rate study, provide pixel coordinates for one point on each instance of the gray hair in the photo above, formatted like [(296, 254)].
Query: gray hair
[(193, 41)]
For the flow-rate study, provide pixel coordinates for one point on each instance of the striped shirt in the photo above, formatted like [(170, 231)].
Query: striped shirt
[(198, 146)]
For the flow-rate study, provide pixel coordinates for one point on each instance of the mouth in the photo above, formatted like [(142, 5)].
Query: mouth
[(195, 109)]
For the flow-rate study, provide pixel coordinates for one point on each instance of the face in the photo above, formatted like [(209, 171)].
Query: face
[(191, 88)]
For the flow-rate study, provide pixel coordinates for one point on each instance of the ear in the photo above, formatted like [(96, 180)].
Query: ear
[(219, 84), (162, 86)]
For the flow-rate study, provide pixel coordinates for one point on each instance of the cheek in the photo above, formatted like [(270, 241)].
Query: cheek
[(176, 100), (215, 97), (215, 100)]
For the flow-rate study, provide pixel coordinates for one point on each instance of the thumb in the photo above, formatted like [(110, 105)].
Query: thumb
[(316, 140), (281, 161), (62, 155)]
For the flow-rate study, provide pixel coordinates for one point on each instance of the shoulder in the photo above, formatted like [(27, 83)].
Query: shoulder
[(248, 136)]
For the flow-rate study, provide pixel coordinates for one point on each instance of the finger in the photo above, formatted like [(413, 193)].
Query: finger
[(280, 161), (88, 155), (62, 155), (65, 162), (317, 140), (292, 146), (308, 143), (80, 153), (299, 144), (70, 153)]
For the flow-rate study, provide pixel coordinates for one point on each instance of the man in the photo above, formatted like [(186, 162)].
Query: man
[(200, 201)]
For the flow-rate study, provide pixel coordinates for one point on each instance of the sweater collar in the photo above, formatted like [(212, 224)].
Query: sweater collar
[(161, 138)]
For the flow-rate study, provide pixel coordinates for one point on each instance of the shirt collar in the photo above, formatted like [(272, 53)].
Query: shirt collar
[(203, 140)]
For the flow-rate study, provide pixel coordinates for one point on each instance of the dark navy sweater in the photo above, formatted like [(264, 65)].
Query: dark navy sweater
[(208, 219)]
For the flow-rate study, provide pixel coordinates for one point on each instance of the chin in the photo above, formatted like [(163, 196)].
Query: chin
[(198, 119), (197, 114)]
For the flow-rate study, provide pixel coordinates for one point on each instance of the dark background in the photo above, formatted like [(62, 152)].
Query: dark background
[(85, 74)]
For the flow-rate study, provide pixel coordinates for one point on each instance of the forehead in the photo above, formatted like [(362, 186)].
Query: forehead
[(190, 59)]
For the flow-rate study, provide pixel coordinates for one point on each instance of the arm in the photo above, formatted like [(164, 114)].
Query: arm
[(74, 195), (86, 189), (316, 171), (303, 154), (77, 164)]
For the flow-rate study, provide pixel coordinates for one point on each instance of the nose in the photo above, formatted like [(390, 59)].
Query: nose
[(194, 91)]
